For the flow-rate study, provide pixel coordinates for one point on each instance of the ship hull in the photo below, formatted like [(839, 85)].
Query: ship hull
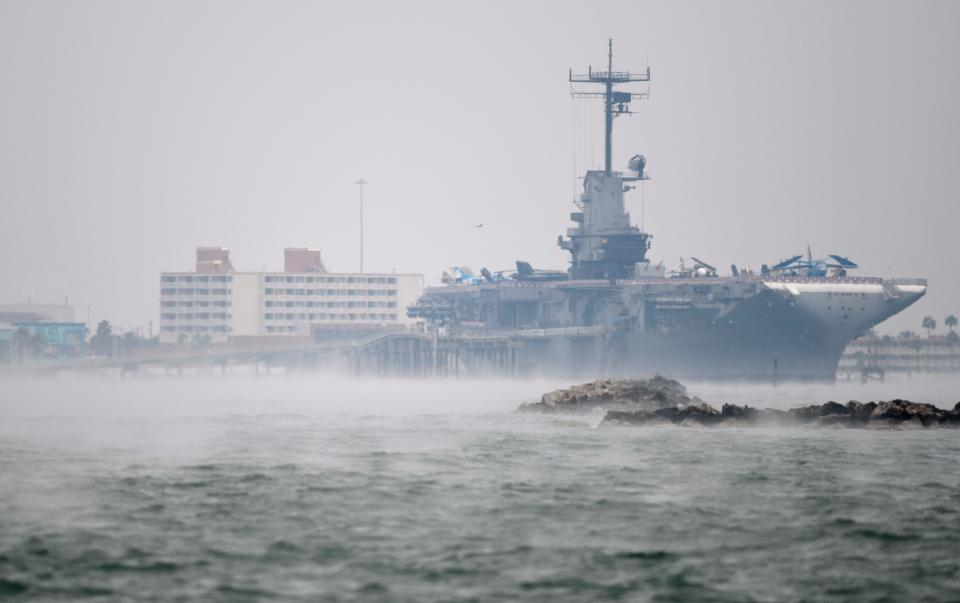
[(719, 328)]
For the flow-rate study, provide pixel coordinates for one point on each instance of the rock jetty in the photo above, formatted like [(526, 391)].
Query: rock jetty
[(626, 395), (662, 401)]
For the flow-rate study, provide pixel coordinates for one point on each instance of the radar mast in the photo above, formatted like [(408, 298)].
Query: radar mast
[(615, 103)]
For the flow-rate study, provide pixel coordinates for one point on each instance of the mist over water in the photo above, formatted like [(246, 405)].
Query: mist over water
[(307, 488)]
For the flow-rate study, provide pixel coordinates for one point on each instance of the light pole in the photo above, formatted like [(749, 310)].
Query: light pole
[(361, 182)]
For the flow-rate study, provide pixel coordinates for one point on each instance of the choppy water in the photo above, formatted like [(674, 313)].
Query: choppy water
[(306, 490)]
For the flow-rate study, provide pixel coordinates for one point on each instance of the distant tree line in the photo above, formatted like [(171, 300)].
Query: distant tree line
[(929, 323), (104, 342)]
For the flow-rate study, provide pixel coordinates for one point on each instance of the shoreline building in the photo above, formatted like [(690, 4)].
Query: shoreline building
[(219, 303), (32, 331)]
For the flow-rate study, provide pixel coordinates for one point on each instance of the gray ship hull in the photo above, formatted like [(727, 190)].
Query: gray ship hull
[(748, 328)]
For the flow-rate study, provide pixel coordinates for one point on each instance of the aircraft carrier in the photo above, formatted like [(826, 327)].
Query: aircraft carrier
[(615, 313)]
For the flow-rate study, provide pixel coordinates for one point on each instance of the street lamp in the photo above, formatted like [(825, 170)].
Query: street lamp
[(361, 182)]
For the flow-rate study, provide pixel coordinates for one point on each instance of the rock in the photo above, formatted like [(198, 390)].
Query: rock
[(890, 411), (614, 394), (661, 401), (671, 414), (860, 410), (928, 414), (699, 414), (833, 408), (905, 410), (951, 421), (639, 417), (741, 413), (691, 415), (804, 414)]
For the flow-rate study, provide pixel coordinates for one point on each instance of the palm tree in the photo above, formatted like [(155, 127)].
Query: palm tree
[(20, 342), (102, 342), (951, 322), (929, 324)]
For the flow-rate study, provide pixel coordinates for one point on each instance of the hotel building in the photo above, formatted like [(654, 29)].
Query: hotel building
[(219, 302)]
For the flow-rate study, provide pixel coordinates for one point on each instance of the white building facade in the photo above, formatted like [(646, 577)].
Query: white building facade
[(226, 304)]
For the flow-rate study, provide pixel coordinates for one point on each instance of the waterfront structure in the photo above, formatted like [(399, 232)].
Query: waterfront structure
[(872, 355), (39, 330), (36, 312), (613, 313), (43, 340), (218, 303)]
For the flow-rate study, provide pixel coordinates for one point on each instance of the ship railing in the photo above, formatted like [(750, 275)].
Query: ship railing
[(864, 280), (860, 280)]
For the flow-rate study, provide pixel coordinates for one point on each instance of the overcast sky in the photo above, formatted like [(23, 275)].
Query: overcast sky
[(132, 132)]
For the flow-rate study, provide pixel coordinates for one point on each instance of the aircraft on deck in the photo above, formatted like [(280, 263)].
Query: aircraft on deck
[(699, 269), (526, 272), (831, 266), (457, 275)]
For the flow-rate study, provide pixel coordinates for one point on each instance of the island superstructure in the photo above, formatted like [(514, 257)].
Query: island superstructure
[(613, 312)]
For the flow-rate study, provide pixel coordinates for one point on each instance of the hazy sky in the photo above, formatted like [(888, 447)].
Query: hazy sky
[(131, 132)]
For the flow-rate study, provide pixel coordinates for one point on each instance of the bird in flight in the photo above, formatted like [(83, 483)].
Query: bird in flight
[(478, 225)]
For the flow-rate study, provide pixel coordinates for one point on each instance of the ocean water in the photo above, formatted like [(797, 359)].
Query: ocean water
[(312, 489)]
